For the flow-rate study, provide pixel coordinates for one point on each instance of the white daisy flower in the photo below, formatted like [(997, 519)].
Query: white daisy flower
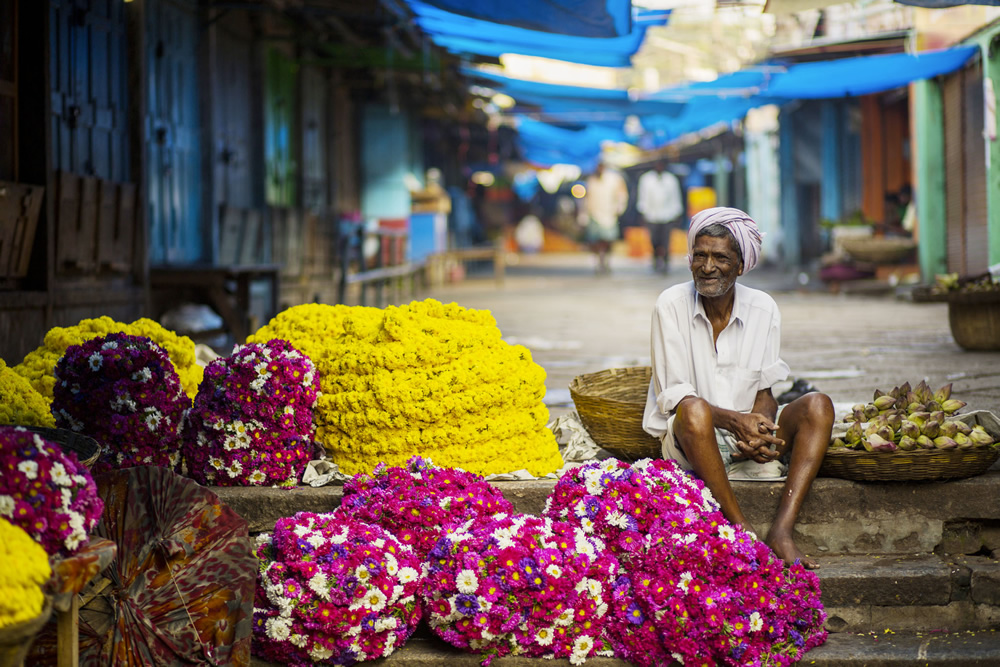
[(278, 628), (553, 571), (374, 599), (6, 506), (685, 581), (258, 477), (319, 653), (467, 582), (391, 565), (109, 345), (756, 622), (142, 375), (587, 525), (234, 469), (594, 587), (316, 540), (216, 463), (298, 640), (618, 519), (407, 574), (545, 636), (727, 532), (566, 617), (362, 574), (29, 468), (59, 474), (581, 649), (152, 419), (320, 585), (95, 361)]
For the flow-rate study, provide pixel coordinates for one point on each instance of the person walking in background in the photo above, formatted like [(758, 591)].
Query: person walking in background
[(605, 201), (661, 205)]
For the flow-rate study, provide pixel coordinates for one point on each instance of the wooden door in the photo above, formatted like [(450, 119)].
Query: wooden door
[(173, 169), (233, 108)]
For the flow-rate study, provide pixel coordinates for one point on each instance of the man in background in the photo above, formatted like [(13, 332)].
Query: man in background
[(661, 205), (605, 201)]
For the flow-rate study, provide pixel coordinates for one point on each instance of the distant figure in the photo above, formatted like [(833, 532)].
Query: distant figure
[(529, 234), (661, 205), (605, 201)]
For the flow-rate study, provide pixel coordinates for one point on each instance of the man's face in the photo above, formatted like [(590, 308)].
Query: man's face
[(715, 264)]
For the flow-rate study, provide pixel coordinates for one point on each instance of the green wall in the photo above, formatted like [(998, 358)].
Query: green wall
[(989, 44), (928, 128)]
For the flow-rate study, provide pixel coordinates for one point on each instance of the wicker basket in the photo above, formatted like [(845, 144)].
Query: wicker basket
[(916, 465), (86, 449), (610, 404), (879, 250), (16, 640)]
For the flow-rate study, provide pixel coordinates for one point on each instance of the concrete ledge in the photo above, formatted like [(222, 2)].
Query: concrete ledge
[(886, 581), (838, 517), (975, 649)]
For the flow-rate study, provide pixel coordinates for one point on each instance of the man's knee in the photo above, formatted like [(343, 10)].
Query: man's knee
[(817, 406), (694, 418)]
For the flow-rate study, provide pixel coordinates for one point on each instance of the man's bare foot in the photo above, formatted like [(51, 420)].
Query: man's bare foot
[(786, 549)]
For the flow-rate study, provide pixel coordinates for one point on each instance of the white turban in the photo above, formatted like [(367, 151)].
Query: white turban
[(741, 225)]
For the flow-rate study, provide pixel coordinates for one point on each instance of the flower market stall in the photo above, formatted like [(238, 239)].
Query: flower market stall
[(417, 404)]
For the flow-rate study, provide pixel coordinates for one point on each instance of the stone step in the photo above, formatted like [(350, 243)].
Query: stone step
[(839, 516), (885, 649)]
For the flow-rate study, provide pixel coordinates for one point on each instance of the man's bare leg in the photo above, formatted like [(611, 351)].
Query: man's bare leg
[(805, 426), (695, 434)]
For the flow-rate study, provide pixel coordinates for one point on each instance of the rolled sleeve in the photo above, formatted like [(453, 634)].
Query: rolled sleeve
[(773, 374), (773, 368), (668, 399)]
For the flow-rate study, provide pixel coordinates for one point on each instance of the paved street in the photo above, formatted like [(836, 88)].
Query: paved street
[(577, 322)]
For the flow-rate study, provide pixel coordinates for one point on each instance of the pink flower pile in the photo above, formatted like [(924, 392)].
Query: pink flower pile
[(46, 491), (521, 585), (252, 420), (697, 589), (122, 391), (418, 503), (333, 591)]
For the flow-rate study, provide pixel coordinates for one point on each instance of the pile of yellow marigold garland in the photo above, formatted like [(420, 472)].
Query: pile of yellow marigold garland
[(20, 404), (39, 366), (424, 379), (24, 568)]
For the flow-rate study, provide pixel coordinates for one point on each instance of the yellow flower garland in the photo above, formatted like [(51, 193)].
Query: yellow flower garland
[(24, 568), (39, 366), (19, 402), (424, 379)]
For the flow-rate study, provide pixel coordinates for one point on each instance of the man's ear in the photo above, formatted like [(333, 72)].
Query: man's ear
[(740, 273)]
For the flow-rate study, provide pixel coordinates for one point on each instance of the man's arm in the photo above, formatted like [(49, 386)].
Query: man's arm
[(754, 430)]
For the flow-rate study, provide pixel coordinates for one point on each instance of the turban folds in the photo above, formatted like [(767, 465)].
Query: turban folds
[(741, 226)]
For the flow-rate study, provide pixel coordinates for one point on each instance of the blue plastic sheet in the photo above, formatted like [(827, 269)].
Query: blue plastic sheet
[(583, 18)]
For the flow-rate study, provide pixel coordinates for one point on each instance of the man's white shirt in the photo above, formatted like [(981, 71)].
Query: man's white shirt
[(659, 197), (727, 373)]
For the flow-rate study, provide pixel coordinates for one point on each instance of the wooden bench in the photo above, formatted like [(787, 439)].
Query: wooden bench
[(438, 263), (388, 271)]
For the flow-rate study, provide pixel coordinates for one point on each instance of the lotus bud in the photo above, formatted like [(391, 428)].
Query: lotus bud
[(943, 394), (932, 406), (925, 443), (938, 416), (981, 437), (944, 442), (915, 407), (963, 441), (912, 397), (909, 429), (952, 405), (963, 427), (838, 444), (885, 402), (923, 392), (879, 394), (931, 429), (949, 429), (904, 389), (894, 420), (919, 418), (886, 432), (859, 416), (854, 433), (879, 444), (906, 443), (871, 412)]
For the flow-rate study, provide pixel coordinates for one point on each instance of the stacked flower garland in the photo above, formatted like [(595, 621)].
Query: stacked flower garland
[(334, 591), (46, 492), (419, 503), (252, 420), (521, 585), (698, 590), (24, 569), (122, 391), (20, 404), (38, 367), (426, 378)]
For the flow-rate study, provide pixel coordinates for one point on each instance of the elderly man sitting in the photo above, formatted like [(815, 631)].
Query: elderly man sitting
[(715, 356)]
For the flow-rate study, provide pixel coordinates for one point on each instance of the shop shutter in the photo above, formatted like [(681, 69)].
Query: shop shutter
[(965, 171)]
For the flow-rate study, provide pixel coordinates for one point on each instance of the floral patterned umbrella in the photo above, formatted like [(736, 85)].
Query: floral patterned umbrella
[(181, 588)]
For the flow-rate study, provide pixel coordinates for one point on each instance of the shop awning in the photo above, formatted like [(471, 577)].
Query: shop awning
[(582, 18), (468, 35)]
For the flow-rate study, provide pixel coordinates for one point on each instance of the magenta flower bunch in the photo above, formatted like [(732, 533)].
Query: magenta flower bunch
[(252, 419), (521, 585), (333, 591), (624, 504), (419, 503), (122, 391), (695, 588), (46, 491)]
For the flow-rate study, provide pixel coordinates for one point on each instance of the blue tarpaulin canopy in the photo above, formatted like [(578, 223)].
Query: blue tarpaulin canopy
[(583, 18), (465, 34)]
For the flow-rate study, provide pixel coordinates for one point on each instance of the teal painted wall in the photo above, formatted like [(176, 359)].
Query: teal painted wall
[(928, 129), (989, 44), (386, 146)]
